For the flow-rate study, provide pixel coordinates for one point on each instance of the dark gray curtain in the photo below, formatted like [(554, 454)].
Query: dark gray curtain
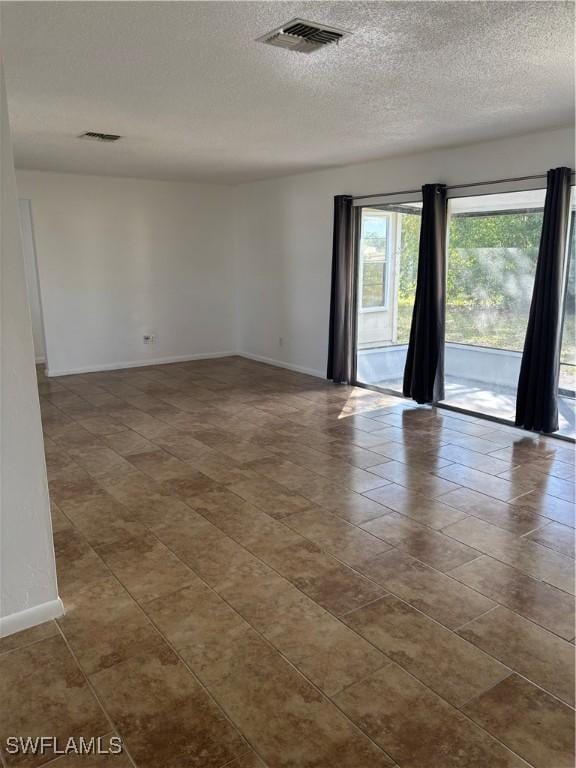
[(424, 370), (537, 398), (341, 357)]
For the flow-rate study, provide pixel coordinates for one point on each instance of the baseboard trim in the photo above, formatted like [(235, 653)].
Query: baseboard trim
[(137, 363), (31, 617), (51, 373), (282, 364)]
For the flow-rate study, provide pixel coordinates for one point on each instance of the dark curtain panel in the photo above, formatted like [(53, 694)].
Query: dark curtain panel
[(341, 358), (537, 398), (424, 371)]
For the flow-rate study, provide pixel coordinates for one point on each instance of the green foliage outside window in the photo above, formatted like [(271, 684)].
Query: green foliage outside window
[(491, 267)]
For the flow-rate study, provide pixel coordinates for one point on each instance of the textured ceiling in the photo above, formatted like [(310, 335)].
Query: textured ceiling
[(196, 98)]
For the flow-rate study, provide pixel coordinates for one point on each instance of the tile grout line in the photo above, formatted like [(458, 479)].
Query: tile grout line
[(352, 567), (329, 696), (221, 597), (571, 707), (369, 676), (255, 629), (160, 633), (445, 573), (61, 758), (353, 465), (387, 593), (480, 616), (441, 530), (394, 547), (549, 546), (95, 693), (503, 562), (31, 643), (454, 631)]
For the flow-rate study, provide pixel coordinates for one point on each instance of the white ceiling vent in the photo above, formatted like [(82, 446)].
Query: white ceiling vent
[(303, 36), (95, 136)]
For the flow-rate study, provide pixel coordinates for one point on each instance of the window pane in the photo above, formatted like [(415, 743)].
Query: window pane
[(374, 249), (388, 263), (493, 245), (372, 296), (374, 237), (374, 273)]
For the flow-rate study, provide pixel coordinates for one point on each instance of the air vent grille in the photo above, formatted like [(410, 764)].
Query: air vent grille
[(303, 36), (95, 136)]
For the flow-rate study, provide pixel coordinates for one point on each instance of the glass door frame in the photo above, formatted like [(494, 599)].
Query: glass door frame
[(357, 222)]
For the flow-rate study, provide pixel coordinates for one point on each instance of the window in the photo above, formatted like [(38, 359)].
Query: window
[(387, 269), (492, 248), (374, 250)]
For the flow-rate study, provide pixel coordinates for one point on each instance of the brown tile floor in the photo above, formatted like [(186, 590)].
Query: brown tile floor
[(263, 569)]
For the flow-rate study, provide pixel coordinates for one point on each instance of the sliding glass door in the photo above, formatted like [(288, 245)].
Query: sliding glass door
[(492, 252), (386, 283), (491, 263)]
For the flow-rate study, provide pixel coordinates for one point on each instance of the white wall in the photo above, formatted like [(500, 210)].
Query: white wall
[(118, 258), (212, 269), (284, 235), (28, 591), (32, 282)]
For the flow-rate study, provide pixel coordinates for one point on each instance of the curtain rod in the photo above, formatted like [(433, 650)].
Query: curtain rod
[(453, 186)]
